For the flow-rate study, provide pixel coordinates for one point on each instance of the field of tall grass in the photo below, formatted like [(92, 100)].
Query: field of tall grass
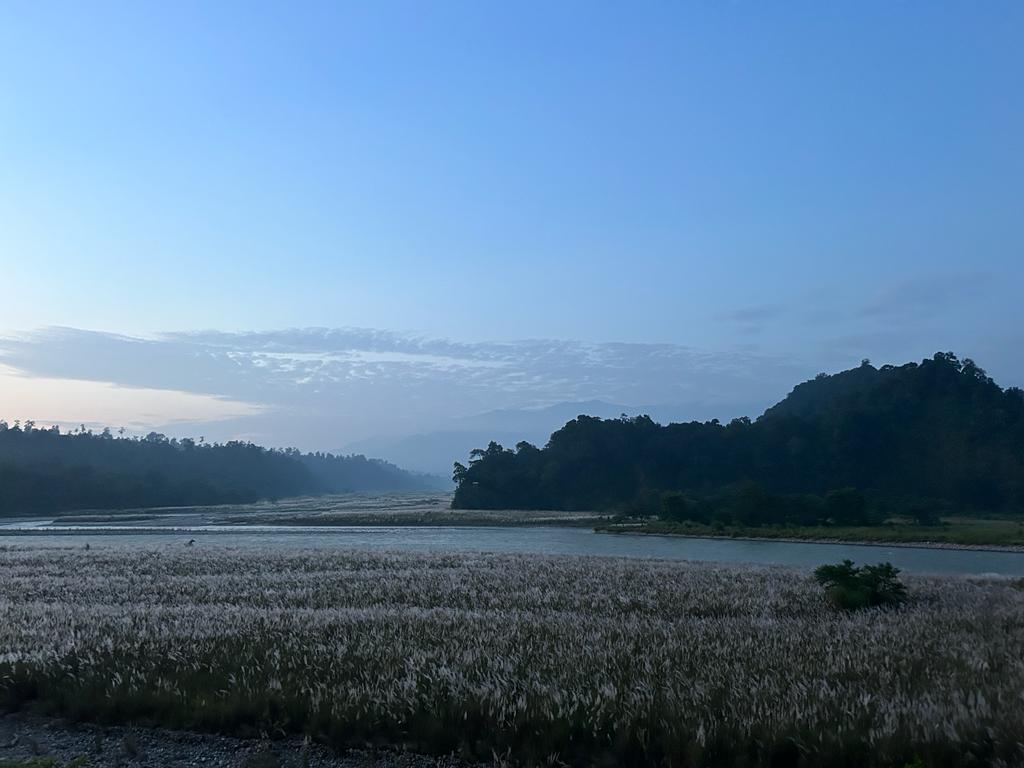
[(536, 659)]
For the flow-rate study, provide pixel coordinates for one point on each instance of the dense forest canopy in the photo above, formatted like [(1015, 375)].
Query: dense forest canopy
[(43, 470), (928, 437)]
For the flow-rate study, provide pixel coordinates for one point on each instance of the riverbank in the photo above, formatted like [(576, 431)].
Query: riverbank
[(957, 533), (338, 510), (430, 518)]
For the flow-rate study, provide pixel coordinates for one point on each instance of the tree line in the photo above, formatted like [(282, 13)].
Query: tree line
[(849, 448), (46, 470)]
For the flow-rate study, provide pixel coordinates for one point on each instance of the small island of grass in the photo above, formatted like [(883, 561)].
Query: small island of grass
[(952, 531)]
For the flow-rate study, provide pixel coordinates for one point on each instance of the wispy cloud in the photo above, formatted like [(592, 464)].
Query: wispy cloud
[(922, 298), (754, 318), (323, 387), (754, 314)]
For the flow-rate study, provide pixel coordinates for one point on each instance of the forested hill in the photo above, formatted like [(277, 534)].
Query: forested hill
[(937, 434), (46, 471)]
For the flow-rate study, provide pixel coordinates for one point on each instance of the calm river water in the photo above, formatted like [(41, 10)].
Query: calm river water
[(540, 540)]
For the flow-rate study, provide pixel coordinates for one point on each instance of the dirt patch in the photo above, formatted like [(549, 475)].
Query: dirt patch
[(35, 742)]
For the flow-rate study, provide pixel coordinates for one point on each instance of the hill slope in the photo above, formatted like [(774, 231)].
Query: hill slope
[(940, 431)]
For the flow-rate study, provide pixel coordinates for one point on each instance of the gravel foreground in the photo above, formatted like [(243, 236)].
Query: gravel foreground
[(43, 742)]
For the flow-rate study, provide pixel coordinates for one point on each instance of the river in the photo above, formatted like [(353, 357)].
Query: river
[(549, 540)]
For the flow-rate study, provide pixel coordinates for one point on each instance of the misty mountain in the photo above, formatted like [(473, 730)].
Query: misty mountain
[(436, 451)]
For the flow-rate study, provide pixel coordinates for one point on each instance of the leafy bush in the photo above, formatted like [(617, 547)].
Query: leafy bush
[(927, 511), (851, 588), (674, 506)]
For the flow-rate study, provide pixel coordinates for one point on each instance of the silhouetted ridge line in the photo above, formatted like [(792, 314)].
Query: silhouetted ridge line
[(933, 437)]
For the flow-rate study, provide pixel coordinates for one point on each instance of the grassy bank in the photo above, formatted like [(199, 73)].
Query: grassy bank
[(591, 660), (442, 517), (395, 509), (954, 531)]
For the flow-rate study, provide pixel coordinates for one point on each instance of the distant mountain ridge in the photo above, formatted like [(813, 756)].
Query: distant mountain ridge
[(940, 430)]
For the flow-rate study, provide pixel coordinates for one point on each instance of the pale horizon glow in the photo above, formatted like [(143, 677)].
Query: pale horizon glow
[(69, 403)]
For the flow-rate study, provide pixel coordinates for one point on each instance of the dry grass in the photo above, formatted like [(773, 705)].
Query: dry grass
[(586, 659)]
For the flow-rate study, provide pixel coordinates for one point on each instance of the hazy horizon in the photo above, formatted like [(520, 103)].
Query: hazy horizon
[(329, 389)]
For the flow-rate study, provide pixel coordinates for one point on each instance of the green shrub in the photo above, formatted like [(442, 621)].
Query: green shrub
[(851, 588), (674, 506)]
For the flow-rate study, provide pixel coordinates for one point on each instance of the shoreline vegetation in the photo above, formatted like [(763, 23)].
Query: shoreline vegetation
[(980, 535), (537, 659)]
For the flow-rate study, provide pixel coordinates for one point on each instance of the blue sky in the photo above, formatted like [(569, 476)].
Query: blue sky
[(801, 183)]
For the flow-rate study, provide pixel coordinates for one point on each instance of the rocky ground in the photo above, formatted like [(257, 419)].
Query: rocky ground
[(31, 742)]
